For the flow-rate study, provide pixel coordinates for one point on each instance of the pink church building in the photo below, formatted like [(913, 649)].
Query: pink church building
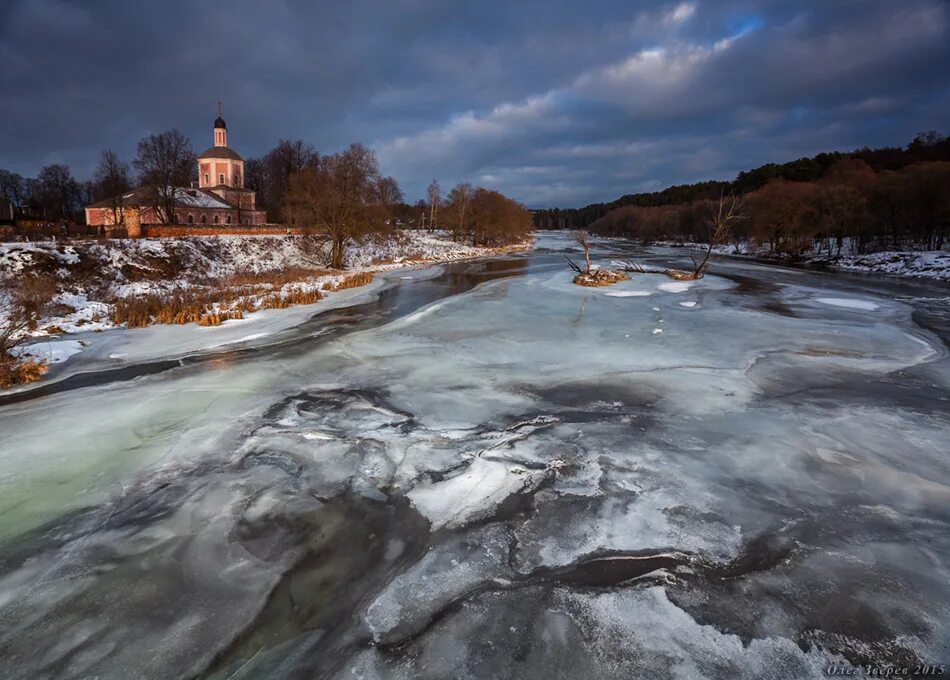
[(220, 200)]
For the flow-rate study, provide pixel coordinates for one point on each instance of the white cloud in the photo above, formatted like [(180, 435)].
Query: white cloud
[(682, 12)]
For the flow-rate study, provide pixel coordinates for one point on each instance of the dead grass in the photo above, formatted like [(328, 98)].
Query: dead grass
[(215, 318), (272, 278), (680, 275), (15, 371), (181, 307), (293, 297), (209, 306), (600, 277), (351, 281)]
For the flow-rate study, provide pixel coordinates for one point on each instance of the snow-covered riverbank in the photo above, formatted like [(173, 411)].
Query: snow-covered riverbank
[(923, 264), (91, 277)]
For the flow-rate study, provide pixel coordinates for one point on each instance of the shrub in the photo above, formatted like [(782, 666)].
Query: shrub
[(14, 371), (352, 281)]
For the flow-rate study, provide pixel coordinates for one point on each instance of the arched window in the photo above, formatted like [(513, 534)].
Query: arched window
[(204, 219), (215, 219), (207, 179), (191, 218), (221, 178), (229, 219)]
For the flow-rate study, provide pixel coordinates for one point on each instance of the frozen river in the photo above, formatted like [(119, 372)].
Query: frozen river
[(484, 471)]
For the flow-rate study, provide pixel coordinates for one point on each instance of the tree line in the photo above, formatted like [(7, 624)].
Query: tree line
[(163, 160), (877, 199), (343, 197), (340, 196)]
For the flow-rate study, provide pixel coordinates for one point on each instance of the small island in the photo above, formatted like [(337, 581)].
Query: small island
[(593, 278)]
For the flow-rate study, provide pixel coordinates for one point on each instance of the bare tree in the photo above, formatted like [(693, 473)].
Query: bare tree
[(459, 209), (276, 168), (23, 301), (13, 187), (111, 181), (57, 192), (434, 194), (389, 195), (338, 198), (496, 219), (165, 161), (582, 238), (719, 225)]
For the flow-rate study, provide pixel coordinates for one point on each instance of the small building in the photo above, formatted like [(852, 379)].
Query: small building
[(219, 200)]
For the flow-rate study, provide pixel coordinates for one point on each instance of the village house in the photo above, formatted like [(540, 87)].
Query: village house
[(220, 198)]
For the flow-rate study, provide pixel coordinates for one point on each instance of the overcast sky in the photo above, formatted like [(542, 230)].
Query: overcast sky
[(554, 103)]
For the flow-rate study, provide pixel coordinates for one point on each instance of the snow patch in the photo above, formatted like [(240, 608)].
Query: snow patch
[(849, 303), (53, 352)]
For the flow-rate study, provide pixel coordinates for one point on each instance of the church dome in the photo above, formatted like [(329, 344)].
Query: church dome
[(219, 123)]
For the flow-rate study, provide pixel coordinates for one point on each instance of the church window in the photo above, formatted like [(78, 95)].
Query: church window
[(204, 219), (229, 219), (221, 178), (207, 181), (191, 218), (215, 219)]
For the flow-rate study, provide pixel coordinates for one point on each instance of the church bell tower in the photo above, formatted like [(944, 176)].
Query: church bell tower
[(220, 129)]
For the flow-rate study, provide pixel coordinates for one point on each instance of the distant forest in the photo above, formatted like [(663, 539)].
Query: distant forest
[(873, 199)]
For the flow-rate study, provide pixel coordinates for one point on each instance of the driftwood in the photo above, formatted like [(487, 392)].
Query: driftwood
[(675, 274), (632, 266), (573, 266)]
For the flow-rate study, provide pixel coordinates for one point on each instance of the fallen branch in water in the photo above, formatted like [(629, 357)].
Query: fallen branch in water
[(675, 274), (634, 266), (573, 266)]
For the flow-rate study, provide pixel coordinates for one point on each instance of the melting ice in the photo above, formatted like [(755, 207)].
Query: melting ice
[(519, 478)]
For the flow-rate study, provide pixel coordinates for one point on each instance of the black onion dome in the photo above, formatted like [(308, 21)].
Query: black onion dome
[(219, 123)]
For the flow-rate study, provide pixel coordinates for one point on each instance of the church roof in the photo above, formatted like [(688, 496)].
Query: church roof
[(221, 152), (184, 198), (219, 123)]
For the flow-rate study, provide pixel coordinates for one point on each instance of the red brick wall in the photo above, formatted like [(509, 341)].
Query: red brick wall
[(103, 216), (180, 230)]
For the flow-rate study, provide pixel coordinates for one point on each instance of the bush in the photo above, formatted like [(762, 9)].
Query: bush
[(14, 371)]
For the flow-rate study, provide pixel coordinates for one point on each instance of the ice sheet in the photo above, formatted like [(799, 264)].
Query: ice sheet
[(424, 495)]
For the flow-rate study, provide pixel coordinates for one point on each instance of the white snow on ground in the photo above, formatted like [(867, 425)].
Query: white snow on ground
[(929, 264), (17, 257), (850, 303), (50, 352), (933, 264), (690, 304)]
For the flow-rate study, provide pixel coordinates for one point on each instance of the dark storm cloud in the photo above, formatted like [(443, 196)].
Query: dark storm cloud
[(553, 103)]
